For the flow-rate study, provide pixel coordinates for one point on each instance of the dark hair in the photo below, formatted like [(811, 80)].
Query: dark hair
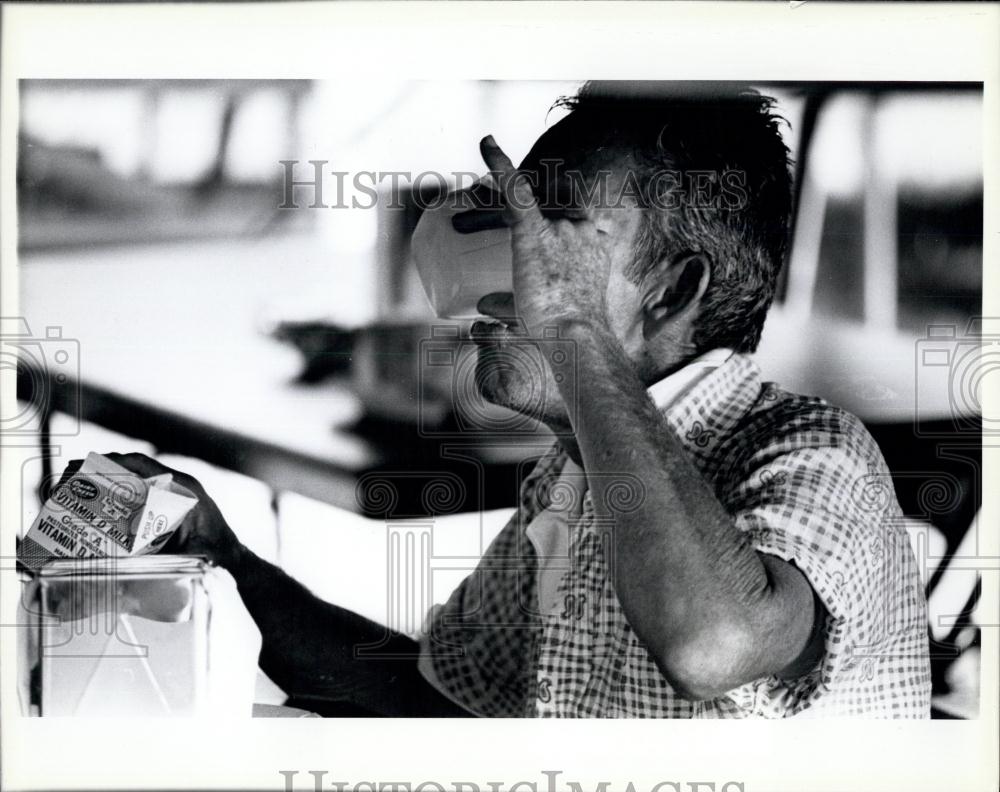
[(712, 128)]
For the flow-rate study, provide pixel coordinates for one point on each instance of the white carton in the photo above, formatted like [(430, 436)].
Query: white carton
[(105, 510)]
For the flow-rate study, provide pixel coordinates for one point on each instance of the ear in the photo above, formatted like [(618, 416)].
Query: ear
[(675, 291)]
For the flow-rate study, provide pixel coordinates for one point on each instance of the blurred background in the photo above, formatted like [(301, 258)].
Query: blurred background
[(284, 355)]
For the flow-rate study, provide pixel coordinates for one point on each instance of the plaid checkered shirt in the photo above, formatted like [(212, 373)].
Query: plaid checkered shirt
[(802, 479)]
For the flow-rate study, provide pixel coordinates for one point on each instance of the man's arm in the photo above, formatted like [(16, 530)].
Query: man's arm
[(310, 648), (713, 612), (308, 644)]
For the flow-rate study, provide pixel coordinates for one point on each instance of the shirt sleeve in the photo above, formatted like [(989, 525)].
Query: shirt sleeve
[(830, 509), (425, 663), (476, 648)]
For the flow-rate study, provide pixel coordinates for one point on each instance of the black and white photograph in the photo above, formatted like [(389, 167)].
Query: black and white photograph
[(363, 397)]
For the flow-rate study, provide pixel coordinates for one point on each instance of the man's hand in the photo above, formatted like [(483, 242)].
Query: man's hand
[(204, 531), (561, 267)]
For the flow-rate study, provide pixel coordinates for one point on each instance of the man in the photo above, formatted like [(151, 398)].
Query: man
[(698, 543)]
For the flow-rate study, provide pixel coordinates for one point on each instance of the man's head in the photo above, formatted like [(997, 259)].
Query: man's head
[(691, 192)]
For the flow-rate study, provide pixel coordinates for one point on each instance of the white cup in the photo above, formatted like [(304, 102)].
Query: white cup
[(456, 269)]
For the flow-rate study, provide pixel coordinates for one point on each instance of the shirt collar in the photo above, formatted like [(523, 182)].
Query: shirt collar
[(733, 383), (668, 390)]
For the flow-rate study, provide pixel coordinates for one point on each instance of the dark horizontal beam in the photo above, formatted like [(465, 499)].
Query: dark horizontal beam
[(172, 433)]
